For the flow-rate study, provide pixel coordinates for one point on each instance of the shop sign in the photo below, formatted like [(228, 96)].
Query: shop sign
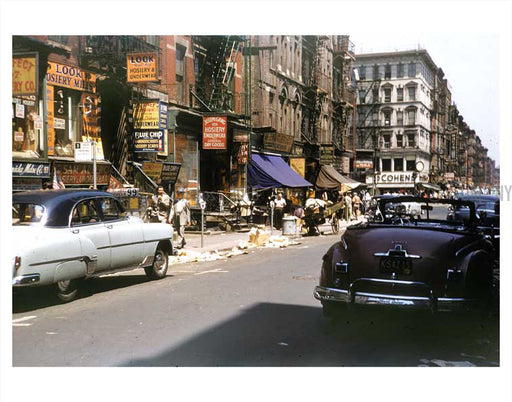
[(397, 178), (345, 164), (59, 124), (243, 154), (83, 151), (38, 122), (70, 77), (364, 164), (146, 115), (24, 74), (82, 173), (298, 165), (153, 170), (19, 135), (278, 142), (20, 111), (149, 141), (240, 136), (26, 184), (214, 132), (49, 125), (449, 176), (326, 154), (141, 67), (30, 169), (170, 172)]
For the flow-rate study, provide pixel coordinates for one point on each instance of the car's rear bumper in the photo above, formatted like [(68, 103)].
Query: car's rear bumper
[(25, 280), (427, 302)]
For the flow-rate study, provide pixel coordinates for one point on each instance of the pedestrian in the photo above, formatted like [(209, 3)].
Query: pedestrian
[(280, 204), (356, 204), (181, 218), (348, 207), (160, 207)]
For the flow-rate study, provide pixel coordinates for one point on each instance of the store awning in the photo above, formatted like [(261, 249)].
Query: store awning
[(268, 171), (329, 178)]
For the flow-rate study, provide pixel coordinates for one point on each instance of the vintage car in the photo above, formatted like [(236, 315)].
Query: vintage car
[(63, 236), (426, 261)]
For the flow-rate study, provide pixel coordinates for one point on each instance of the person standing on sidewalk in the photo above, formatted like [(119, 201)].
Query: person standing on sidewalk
[(356, 202), (280, 203), (160, 207), (181, 218), (348, 207)]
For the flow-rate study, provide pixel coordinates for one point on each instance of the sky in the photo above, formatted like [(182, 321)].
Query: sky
[(470, 61)]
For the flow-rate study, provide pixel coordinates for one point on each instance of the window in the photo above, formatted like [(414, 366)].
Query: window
[(411, 92), (362, 96), (399, 94), (386, 165), (399, 117), (27, 214), (411, 140), (387, 117), (410, 165), (66, 120), (387, 139), (412, 70), (399, 140), (376, 72), (400, 70), (375, 94), (411, 116), (387, 94), (111, 210), (59, 39), (180, 72), (387, 71), (362, 73), (152, 40), (85, 212), (399, 164)]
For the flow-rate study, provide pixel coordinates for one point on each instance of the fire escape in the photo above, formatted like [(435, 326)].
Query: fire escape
[(216, 60)]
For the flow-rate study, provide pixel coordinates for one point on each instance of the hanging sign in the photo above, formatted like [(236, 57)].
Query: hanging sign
[(70, 77), (141, 67), (298, 165), (148, 140), (153, 170), (170, 172), (215, 130), (147, 115)]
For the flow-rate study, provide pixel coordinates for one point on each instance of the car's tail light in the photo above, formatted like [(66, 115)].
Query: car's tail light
[(17, 262)]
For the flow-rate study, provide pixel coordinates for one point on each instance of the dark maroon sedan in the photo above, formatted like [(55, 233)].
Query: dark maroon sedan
[(410, 259)]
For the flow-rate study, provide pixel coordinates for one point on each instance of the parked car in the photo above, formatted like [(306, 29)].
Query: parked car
[(426, 261), (63, 236)]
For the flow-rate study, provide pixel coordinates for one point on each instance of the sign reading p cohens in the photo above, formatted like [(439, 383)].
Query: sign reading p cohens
[(215, 130), (141, 67)]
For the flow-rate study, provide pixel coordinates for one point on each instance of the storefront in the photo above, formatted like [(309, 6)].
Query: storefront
[(396, 182), (80, 174), (29, 175)]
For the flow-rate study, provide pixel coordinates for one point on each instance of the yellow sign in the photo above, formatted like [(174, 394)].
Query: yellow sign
[(70, 77), (51, 122), (146, 115), (298, 165), (24, 75), (153, 170), (141, 67)]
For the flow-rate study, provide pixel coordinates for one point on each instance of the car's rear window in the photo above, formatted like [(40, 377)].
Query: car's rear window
[(27, 214)]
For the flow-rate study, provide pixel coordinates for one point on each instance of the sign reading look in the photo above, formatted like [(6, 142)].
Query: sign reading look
[(141, 67), (215, 129)]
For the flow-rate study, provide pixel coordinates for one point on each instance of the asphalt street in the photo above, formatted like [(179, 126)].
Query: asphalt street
[(253, 310)]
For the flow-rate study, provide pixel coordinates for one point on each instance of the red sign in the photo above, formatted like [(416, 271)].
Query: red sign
[(215, 129)]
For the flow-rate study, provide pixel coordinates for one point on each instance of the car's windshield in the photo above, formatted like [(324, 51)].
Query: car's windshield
[(27, 214)]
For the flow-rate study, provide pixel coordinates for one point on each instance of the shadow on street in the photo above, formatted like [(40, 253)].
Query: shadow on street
[(289, 335)]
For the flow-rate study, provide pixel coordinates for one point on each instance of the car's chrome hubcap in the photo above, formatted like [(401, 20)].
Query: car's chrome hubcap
[(160, 262)]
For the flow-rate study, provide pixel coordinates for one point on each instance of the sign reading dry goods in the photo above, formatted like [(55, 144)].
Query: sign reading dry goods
[(24, 75), (148, 140), (70, 77), (141, 67), (215, 130)]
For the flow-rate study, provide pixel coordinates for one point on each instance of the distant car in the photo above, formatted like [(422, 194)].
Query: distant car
[(63, 236), (427, 261)]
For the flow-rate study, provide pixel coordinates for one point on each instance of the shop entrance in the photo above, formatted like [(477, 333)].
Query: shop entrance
[(215, 170)]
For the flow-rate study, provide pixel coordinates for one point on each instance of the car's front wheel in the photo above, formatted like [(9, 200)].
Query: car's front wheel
[(160, 264), (67, 290)]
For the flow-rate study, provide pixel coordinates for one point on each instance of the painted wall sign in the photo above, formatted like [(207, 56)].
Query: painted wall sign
[(141, 67), (30, 169), (70, 77), (298, 165), (215, 129), (278, 142), (149, 140), (24, 75), (82, 173)]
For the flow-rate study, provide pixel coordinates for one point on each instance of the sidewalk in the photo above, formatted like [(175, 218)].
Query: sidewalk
[(222, 241)]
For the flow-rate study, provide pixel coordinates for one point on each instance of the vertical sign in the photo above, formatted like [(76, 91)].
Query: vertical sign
[(215, 132), (50, 123)]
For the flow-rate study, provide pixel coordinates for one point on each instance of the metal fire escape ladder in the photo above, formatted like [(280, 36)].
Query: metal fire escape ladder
[(374, 105), (314, 78)]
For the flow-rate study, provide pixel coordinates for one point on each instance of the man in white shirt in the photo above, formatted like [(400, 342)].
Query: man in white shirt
[(181, 218), (280, 203)]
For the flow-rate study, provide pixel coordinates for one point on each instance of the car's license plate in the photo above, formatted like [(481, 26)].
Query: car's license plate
[(397, 265)]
